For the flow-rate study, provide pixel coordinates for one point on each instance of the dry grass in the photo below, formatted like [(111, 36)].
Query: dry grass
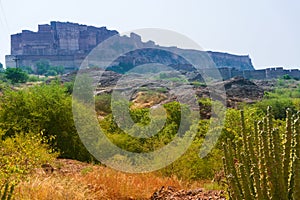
[(53, 187), (148, 99), (94, 182)]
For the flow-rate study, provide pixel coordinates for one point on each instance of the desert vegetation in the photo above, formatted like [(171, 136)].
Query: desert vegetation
[(37, 127)]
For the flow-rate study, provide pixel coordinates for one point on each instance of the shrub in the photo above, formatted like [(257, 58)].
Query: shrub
[(51, 72), (33, 78), (16, 75), (102, 104), (22, 153), (286, 77), (279, 105), (47, 109)]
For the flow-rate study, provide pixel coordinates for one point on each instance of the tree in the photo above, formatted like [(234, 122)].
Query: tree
[(1, 68), (58, 69), (27, 69), (51, 73), (16, 75), (42, 67), (47, 109)]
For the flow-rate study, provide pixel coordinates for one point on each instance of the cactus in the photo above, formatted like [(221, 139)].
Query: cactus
[(264, 165), (296, 163), (6, 191)]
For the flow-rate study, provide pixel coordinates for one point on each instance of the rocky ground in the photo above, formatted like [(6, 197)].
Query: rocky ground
[(233, 91), (171, 193)]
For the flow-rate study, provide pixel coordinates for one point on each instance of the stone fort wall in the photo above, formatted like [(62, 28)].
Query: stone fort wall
[(269, 73)]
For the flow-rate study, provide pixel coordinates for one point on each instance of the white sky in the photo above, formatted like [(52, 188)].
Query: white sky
[(267, 30)]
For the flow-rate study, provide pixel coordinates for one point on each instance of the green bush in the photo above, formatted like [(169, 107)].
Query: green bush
[(33, 78), (102, 104), (51, 72), (22, 153), (16, 75), (279, 105), (286, 77), (47, 109)]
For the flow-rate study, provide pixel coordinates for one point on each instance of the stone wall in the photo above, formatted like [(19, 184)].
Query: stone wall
[(269, 73)]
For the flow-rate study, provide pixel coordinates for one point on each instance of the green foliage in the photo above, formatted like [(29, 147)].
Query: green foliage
[(162, 90), (34, 78), (102, 104), (19, 156), (27, 69), (43, 67), (198, 84), (51, 73), (58, 69), (22, 153), (278, 105), (262, 161), (141, 116), (3, 77), (83, 89), (1, 67), (16, 75), (286, 77), (190, 166), (163, 76), (69, 87), (46, 108), (285, 95)]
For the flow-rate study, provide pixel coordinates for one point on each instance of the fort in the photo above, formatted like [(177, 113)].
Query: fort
[(64, 44), (67, 44)]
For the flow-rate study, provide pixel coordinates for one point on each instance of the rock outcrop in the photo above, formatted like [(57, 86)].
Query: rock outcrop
[(237, 90)]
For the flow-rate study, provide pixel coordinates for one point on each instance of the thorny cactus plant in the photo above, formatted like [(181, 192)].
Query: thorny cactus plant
[(6, 191), (264, 163)]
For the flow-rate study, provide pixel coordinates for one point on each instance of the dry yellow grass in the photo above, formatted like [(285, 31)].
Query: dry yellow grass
[(148, 99), (52, 187), (93, 182)]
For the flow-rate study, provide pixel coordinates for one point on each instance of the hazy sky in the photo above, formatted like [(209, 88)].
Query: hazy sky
[(267, 30)]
